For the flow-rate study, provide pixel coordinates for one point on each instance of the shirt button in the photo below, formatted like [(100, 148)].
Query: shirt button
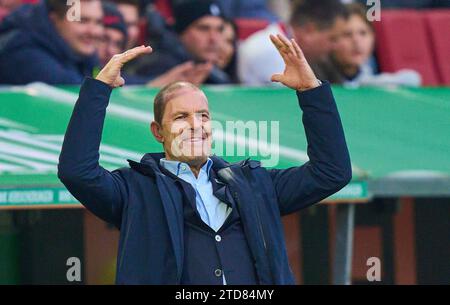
[(218, 272), (218, 238), (183, 167)]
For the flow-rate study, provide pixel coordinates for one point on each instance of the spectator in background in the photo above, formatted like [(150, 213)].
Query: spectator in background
[(39, 43), (197, 38), (354, 48), (115, 40), (314, 24), (130, 12), (227, 51), (259, 9)]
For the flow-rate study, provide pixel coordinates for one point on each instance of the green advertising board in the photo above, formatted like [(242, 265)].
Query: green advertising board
[(396, 137)]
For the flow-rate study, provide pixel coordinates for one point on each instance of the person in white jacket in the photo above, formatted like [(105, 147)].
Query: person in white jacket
[(312, 23)]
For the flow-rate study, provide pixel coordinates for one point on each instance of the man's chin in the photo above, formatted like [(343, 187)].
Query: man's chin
[(85, 50)]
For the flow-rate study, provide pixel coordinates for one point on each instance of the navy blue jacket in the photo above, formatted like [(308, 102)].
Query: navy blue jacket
[(32, 50), (146, 205)]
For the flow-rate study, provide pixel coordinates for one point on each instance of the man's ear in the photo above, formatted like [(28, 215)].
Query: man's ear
[(155, 128)]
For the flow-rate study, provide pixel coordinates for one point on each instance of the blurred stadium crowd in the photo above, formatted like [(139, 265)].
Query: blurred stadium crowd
[(201, 41)]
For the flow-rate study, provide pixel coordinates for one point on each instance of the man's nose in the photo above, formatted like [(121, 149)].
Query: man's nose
[(356, 41), (214, 37), (195, 122)]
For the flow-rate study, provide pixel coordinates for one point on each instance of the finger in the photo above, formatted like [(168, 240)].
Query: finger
[(129, 52), (201, 70), (133, 53), (200, 73), (204, 67), (183, 68), (280, 47), (298, 50), (120, 82), (276, 78), (277, 42), (287, 44)]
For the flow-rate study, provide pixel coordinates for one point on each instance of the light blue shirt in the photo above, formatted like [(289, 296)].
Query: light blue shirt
[(212, 211)]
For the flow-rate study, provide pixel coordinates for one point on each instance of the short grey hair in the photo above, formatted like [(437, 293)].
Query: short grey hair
[(165, 94)]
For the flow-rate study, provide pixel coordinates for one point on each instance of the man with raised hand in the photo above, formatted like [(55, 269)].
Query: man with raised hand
[(186, 216)]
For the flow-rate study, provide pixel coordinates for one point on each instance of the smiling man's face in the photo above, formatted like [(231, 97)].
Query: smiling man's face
[(185, 129)]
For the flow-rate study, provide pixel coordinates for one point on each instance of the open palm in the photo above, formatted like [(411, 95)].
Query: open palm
[(297, 74), (111, 72)]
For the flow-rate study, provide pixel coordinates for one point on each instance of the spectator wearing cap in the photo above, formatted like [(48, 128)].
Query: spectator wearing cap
[(41, 43), (197, 37), (115, 40)]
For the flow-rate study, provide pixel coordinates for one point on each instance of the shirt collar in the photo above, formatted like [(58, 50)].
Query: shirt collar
[(181, 169)]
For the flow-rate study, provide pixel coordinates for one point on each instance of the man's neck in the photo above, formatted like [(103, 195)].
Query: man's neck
[(195, 170), (193, 165)]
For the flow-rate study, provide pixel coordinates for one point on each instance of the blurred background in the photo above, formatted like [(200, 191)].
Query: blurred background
[(388, 62)]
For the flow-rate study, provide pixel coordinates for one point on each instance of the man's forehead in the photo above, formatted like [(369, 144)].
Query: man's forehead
[(208, 21), (91, 9), (186, 97)]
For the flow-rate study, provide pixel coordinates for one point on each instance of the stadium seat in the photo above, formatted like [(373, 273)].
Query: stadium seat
[(402, 42), (247, 26), (438, 23)]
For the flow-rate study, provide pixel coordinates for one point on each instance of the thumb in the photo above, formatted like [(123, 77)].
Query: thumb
[(276, 78), (120, 81), (183, 68)]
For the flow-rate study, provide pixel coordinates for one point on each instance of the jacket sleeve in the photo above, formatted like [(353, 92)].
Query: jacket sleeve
[(329, 168), (99, 190)]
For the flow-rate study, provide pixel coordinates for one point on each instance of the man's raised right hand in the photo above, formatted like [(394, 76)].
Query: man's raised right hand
[(110, 74)]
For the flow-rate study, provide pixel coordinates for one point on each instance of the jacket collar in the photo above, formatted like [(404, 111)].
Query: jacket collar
[(149, 164)]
